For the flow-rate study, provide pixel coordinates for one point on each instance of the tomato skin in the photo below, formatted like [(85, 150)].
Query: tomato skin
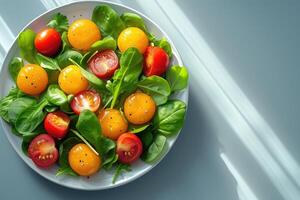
[(133, 37), (104, 64), (139, 108), (156, 61), (56, 124), (86, 100), (32, 79), (42, 151), (129, 148), (48, 42), (113, 123), (82, 33), (83, 160), (71, 81)]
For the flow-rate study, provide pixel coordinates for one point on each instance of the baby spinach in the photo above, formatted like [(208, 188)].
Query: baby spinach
[(169, 117), (46, 62), (89, 127), (65, 42), (14, 67), (106, 43), (137, 128), (63, 59), (128, 73), (65, 171), (59, 22), (26, 45), (13, 94), (50, 108), (156, 87), (55, 95), (155, 150), (18, 106), (64, 149), (108, 21), (162, 43), (31, 117), (133, 20), (52, 76), (177, 77), (119, 169), (97, 83), (146, 138)]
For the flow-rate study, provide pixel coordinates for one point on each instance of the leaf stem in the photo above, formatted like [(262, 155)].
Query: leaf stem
[(84, 140)]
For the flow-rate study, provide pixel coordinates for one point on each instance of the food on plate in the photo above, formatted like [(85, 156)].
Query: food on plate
[(48, 42), (71, 80), (129, 148), (83, 33), (32, 79), (86, 100), (156, 61), (42, 151), (133, 37), (113, 123), (94, 94), (57, 124), (104, 63), (139, 108), (83, 160)]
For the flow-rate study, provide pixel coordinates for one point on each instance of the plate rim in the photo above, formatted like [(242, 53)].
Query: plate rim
[(134, 177)]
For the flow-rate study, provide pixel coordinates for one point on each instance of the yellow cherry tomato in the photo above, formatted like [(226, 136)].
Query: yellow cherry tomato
[(133, 37), (32, 79), (113, 123), (139, 108), (83, 160), (71, 81), (82, 33)]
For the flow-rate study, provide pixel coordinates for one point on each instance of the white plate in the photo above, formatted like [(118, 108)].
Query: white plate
[(103, 179)]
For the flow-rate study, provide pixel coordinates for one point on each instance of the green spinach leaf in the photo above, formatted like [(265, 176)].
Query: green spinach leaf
[(63, 59), (65, 171), (119, 169), (155, 150), (18, 106), (137, 128), (177, 77), (97, 83), (108, 21), (128, 74), (169, 117), (15, 66), (26, 45), (46, 62), (133, 20), (13, 94), (65, 42), (106, 43), (55, 95), (146, 138), (156, 87), (31, 118)]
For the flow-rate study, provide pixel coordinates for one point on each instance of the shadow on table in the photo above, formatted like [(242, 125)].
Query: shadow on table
[(192, 166)]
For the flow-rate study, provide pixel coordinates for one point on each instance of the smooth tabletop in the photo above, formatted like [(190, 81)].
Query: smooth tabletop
[(241, 135)]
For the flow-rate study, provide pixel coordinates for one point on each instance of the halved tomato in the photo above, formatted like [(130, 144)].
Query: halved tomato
[(103, 64), (56, 124), (42, 151), (129, 148), (86, 100), (156, 61)]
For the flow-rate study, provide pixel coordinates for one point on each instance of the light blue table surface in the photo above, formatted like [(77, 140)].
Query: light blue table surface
[(241, 135)]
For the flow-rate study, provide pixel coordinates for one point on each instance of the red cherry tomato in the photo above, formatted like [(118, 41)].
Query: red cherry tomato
[(42, 151), (48, 42), (103, 64), (86, 100), (129, 148), (56, 124), (156, 61)]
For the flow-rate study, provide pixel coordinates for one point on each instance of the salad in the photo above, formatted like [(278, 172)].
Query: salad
[(94, 94)]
